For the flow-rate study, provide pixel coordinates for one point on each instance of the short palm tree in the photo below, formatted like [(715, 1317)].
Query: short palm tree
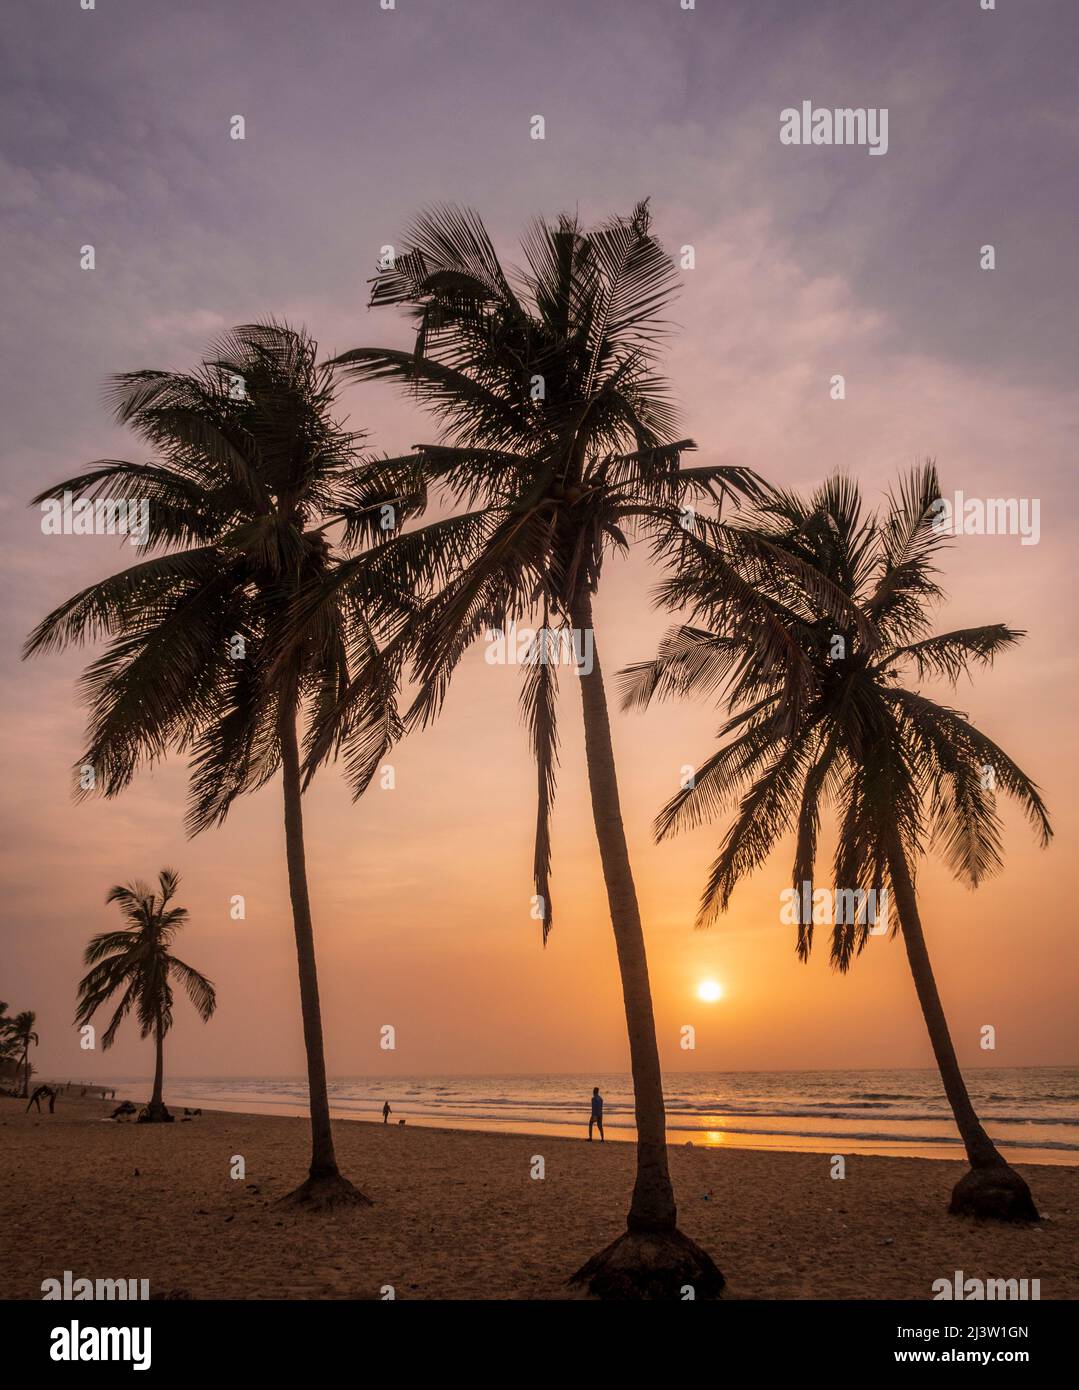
[(557, 446), (8, 1046), (252, 472), (6, 1041), (820, 708), (137, 963), (23, 1038)]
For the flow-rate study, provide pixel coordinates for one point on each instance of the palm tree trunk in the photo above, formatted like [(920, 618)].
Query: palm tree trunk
[(155, 1112), (980, 1148), (157, 1104), (26, 1071), (653, 1207), (323, 1159), (993, 1188)]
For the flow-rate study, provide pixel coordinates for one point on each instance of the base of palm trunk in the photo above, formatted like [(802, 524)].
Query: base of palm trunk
[(643, 1265), (325, 1193), (154, 1115), (996, 1193)]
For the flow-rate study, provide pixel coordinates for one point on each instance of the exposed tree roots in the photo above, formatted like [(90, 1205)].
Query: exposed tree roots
[(155, 1115), (996, 1193), (326, 1193), (657, 1265)]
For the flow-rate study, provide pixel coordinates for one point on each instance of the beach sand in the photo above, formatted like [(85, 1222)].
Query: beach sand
[(457, 1214)]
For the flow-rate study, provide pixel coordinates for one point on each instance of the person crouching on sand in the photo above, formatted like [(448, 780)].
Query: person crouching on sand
[(596, 1118), (43, 1093)]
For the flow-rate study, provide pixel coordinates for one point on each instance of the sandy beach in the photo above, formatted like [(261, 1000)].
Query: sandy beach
[(457, 1215)]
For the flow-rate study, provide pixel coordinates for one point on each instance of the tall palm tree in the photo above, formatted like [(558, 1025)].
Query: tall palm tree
[(23, 1038), (557, 445), (252, 472), (820, 708), (137, 962)]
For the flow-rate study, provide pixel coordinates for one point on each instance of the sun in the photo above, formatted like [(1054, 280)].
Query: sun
[(709, 991)]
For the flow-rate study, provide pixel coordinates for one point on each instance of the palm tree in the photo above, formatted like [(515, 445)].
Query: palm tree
[(8, 1046), (252, 471), (557, 446), (818, 710), (137, 963), (23, 1038)]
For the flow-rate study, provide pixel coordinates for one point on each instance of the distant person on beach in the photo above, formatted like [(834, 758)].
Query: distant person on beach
[(386, 1113), (596, 1118)]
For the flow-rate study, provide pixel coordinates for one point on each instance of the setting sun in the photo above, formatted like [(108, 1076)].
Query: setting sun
[(709, 991)]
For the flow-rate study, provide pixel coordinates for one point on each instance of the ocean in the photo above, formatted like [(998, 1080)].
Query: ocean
[(1032, 1112)]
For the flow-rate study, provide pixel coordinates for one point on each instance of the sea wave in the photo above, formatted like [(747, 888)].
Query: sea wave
[(1031, 1109)]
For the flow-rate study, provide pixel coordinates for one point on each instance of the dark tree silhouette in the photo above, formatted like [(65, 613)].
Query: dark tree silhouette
[(22, 1037), (813, 683), (558, 446), (252, 473), (137, 963)]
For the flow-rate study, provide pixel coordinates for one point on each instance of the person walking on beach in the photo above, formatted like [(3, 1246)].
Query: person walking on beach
[(386, 1112), (596, 1118)]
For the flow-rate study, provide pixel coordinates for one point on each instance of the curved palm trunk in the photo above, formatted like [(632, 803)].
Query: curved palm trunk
[(653, 1207), (26, 1071), (990, 1173), (652, 1211), (325, 1183)]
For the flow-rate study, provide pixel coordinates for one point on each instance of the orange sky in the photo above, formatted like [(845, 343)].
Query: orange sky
[(421, 894)]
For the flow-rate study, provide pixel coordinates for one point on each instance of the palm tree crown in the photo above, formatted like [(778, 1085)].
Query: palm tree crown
[(251, 472), (137, 963), (890, 756), (558, 443), (23, 1037), (7, 1041)]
